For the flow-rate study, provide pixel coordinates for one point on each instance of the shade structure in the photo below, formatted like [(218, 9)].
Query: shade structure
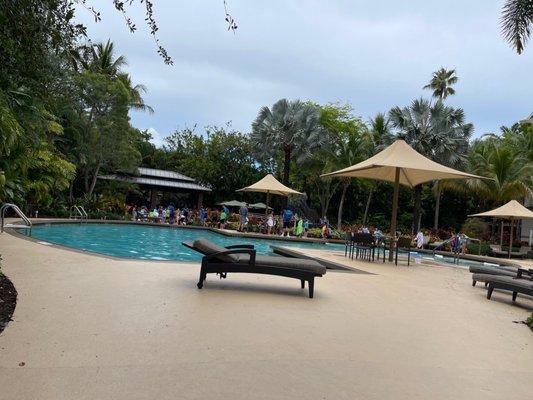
[(259, 206), (512, 210), (401, 164), (269, 185), (232, 203)]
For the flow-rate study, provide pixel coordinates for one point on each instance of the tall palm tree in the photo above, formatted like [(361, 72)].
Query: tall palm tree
[(380, 136), (517, 23), (441, 83), (292, 127), (436, 131)]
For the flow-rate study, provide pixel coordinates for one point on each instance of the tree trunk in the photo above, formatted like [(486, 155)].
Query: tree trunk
[(417, 208), (86, 178), (71, 192), (341, 205), (93, 182), (367, 207), (437, 208), (287, 166)]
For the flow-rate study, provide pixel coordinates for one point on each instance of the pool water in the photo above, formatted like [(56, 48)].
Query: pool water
[(149, 242)]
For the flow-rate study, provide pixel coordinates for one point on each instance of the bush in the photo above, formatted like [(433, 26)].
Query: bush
[(473, 248), (476, 228), (529, 322)]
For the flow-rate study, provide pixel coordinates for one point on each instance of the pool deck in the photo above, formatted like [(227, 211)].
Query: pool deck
[(89, 327)]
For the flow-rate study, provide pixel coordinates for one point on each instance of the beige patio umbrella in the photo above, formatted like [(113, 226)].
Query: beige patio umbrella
[(269, 185), (401, 164), (511, 211)]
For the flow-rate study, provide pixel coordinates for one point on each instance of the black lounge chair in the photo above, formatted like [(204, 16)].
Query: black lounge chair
[(486, 270), (515, 285), (243, 258)]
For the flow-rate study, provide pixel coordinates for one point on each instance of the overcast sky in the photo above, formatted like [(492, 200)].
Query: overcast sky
[(372, 54)]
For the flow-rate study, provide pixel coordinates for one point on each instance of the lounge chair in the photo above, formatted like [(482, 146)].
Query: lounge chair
[(497, 251), (243, 258), (482, 269), (522, 253), (515, 285)]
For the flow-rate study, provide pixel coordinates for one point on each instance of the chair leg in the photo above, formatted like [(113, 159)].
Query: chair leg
[(489, 292), (473, 282), (514, 295), (311, 287), (201, 280), (303, 283)]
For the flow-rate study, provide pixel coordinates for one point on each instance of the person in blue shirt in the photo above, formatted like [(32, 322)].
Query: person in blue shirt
[(202, 215), (287, 218), (171, 213)]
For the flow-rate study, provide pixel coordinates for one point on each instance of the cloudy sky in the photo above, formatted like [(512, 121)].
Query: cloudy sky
[(372, 54)]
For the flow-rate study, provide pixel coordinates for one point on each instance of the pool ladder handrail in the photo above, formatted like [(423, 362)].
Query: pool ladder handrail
[(78, 212), (456, 255), (27, 223)]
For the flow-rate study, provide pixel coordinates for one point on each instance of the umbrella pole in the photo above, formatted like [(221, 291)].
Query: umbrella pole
[(394, 213), (501, 234), (266, 209), (510, 237)]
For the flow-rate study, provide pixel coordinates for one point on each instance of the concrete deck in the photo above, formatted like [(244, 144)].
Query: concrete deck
[(87, 327)]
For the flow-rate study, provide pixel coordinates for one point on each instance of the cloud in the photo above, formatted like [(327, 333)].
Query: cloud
[(157, 138), (375, 55)]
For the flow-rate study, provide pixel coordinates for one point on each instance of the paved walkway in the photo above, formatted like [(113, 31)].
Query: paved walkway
[(87, 327)]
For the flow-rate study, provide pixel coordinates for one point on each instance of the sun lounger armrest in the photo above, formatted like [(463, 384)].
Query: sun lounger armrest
[(522, 271), (229, 252), (240, 246)]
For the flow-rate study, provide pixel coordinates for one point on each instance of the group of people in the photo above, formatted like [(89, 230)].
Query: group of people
[(169, 215)]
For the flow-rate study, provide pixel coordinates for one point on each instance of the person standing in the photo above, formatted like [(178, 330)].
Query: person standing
[(419, 239), (287, 217), (171, 213), (270, 222), (243, 215), (202, 214), (222, 218)]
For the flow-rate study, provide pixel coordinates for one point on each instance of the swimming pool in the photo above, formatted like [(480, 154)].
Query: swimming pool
[(163, 243), (147, 242)]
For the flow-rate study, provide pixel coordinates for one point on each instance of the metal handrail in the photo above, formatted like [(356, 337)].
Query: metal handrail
[(82, 209), (79, 213), (18, 211)]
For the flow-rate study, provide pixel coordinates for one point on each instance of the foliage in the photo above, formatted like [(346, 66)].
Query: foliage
[(441, 83), (475, 228), (517, 22), (529, 322), (292, 128)]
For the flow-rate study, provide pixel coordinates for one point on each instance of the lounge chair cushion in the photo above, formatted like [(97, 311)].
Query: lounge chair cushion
[(286, 262), (519, 283), (206, 247), (505, 271)]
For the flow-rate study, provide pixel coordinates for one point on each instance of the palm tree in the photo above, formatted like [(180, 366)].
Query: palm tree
[(292, 127), (350, 150), (135, 91), (441, 83), (436, 131), (511, 174), (517, 22), (380, 136)]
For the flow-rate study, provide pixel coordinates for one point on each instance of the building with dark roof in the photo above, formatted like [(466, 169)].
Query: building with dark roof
[(158, 180)]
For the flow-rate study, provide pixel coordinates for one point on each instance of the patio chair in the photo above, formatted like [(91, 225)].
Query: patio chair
[(349, 244), (243, 259), (515, 285), (363, 246), (405, 243)]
